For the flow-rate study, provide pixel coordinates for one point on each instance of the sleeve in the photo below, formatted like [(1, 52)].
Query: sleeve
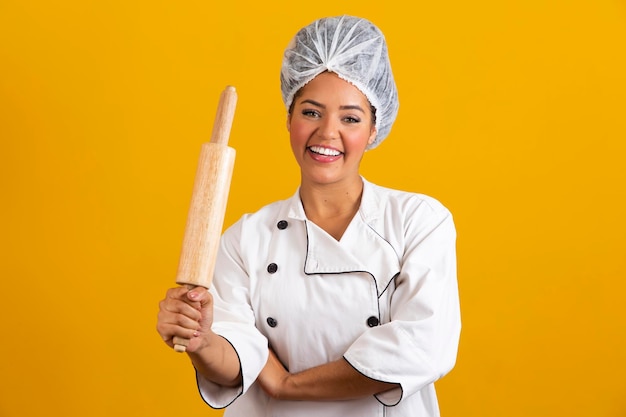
[(419, 345), (233, 319)]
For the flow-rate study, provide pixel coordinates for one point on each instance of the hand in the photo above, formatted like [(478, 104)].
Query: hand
[(274, 377), (186, 314)]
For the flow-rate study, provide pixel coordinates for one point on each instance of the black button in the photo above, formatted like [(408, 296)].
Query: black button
[(272, 322), (271, 268), (372, 321), (282, 225)]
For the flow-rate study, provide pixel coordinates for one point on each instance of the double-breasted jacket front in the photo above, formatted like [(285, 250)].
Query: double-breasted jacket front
[(384, 297)]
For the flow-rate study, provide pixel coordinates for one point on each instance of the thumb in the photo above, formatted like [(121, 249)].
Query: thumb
[(199, 295)]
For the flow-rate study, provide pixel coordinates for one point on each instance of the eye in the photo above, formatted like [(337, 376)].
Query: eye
[(351, 119), (311, 113)]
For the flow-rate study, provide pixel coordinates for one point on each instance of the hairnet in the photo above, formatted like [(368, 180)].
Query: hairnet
[(356, 51)]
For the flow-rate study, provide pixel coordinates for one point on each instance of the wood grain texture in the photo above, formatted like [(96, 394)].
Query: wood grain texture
[(206, 215), (208, 203)]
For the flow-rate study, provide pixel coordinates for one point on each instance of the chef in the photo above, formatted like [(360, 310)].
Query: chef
[(341, 300)]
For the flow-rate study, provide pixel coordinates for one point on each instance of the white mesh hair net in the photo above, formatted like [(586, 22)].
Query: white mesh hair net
[(356, 51)]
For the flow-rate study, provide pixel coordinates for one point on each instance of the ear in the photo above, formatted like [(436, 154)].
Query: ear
[(288, 122), (372, 137)]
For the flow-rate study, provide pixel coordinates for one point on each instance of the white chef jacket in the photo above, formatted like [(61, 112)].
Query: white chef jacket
[(384, 297)]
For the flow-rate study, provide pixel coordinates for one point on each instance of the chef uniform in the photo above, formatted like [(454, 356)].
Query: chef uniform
[(384, 297)]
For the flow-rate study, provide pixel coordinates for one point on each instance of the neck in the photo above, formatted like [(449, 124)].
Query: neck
[(332, 206)]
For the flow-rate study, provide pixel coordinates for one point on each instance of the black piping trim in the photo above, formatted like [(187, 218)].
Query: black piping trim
[(242, 382), (349, 272), (379, 380)]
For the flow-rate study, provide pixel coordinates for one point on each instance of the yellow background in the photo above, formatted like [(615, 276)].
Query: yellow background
[(512, 114)]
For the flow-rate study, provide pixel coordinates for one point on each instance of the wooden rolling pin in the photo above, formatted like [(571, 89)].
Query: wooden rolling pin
[(208, 203)]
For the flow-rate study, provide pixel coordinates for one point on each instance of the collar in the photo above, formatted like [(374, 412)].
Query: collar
[(362, 248), (369, 209)]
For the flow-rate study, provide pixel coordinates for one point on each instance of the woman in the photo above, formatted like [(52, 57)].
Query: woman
[(342, 300)]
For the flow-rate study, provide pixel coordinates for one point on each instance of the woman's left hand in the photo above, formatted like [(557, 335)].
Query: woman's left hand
[(274, 377)]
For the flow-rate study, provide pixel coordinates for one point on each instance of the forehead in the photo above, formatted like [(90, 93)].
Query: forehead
[(329, 87)]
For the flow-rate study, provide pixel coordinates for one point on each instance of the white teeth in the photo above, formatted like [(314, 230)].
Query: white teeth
[(325, 151)]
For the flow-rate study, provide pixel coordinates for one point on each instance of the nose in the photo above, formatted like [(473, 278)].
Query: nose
[(329, 128)]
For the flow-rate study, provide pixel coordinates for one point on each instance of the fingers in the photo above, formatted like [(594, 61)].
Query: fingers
[(180, 313), (177, 302), (199, 295)]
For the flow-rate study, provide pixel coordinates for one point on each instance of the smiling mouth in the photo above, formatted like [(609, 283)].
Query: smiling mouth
[(320, 150)]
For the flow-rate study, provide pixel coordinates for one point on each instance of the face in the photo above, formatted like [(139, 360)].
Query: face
[(330, 126)]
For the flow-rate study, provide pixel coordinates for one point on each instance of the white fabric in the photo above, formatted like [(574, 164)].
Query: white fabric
[(396, 262), (356, 51)]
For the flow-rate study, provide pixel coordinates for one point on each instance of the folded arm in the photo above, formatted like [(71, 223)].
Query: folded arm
[(336, 380)]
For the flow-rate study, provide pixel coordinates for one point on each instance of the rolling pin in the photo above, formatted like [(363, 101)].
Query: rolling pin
[(208, 203)]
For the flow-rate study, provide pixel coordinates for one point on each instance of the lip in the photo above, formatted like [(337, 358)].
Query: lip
[(316, 155)]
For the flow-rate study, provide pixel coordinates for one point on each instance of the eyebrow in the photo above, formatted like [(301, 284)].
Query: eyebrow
[(347, 107)]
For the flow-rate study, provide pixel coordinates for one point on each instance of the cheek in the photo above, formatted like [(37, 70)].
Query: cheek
[(296, 141), (357, 141), (298, 134)]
